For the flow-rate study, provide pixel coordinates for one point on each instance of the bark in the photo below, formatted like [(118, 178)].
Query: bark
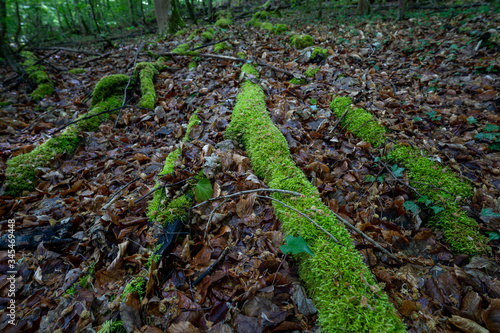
[(191, 12), (131, 12), (363, 7), (79, 17), (5, 50), (167, 16), (18, 24), (94, 17), (210, 11), (401, 10)]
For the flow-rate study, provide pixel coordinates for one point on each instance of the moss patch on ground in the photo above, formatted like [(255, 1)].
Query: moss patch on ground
[(342, 287), (223, 22), (77, 71), (301, 41), (279, 28), (318, 51), (36, 73), (311, 71), (183, 49), (219, 47), (358, 121)]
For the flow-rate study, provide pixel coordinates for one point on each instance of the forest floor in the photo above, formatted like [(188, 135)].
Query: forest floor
[(431, 80)]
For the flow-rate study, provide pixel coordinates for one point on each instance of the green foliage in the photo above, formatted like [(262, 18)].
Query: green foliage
[(296, 245), (342, 287), (192, 65), (112, 326), (241, 55), (203, 190), (311, 71), (207, 35), (137, 284), (471, 120), (298, 81), (411, 206), (184, 49), (301, 41), (487, 212), (249, 69)]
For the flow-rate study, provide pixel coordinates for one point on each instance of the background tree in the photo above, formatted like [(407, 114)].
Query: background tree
[(167, 16)]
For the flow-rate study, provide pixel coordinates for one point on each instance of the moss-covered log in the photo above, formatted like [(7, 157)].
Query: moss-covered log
[(36, 73), (343, 288), (460, 231)]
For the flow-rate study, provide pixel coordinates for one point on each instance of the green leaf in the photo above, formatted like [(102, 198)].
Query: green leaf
[(377, 159), (381, 179), (313, 101), (437, 209), (369, 178), (296, 245), (471, 120), (398, 172), (493, 235), (417, 118), (491, 128), (411, 206), (424, 199), (203, 190), (486, 136), (487, 212)]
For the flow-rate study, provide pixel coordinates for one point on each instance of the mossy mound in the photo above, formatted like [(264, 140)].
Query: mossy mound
[(36, 73), (298, 81), (311, 71), (266, 26), (192, 65), (208, 35), (301, 41), (183, 49), (342, 287), (223, 23), (279, 28), (144, 72), (241, 55), (77, 71), (220, 47), (320, 53), (254, 22), (249, 69), (358, 121)]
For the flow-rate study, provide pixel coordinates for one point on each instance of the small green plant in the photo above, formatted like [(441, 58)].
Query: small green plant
[(433, 115), (137, 284), (203, 190), (112, 326), (296, 245), (471, 120), (490, 134)]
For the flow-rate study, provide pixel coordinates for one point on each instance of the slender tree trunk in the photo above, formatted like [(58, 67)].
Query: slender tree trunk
[(191, 12), (18, 24), (320, 10), (363, 7), (5, 49), (58, 16), (94, 17), (401, 10), (79, 17), (210, 11), (131, 12), (142, 12)]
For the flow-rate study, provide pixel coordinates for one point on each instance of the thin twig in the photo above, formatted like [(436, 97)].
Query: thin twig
[(209, 269), (304, 215), (246, 192), (161, 186), (340, 119), (211, 215), (128, 84), (365, 236), (114, 197)]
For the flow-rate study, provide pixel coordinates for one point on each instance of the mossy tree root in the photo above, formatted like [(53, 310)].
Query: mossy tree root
[(36, 73), (344, 290), (460, 231)]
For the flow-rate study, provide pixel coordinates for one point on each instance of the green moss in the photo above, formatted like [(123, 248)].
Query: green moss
[(108, 86), (180, 32), (207, 35), (36, 73), (267, 26), (175, 23), (184, 50), (301, 41), (344, 290), (422, 169), (249, 69), (311, 71), (319, 51), (77, 71), (70, 291), (156, 209), (261, 15), (21, 170), (192, 65), (223, 22), (137, 284), (241, 55), (279, 29), (219, 47), (360, 122), (194, 34), (112, 326), (298, 81), (147, 71), (254, 22)]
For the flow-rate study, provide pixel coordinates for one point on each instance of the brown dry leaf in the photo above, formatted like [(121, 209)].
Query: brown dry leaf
[(244, 206), (467, 325), (183, 327)]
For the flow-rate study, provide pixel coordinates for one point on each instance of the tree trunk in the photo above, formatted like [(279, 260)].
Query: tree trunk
[(5, 50), (95, 18), (363, 7), (131, 12), (401, 10), (210, 11), (191, 12), (18, 24), (167, 16), (79, 17)]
